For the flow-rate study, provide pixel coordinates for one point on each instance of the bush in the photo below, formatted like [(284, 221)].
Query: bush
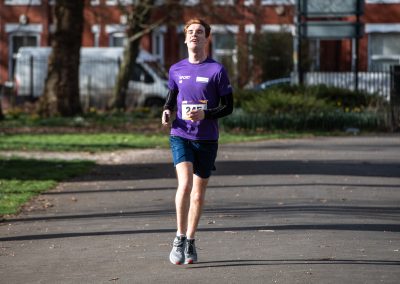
[(275, 101), (307, 108), (323, 121)]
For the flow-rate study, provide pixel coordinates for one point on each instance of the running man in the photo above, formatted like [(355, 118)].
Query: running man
[(200, 92)]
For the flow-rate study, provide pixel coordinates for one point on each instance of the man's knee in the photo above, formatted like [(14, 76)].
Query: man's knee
[(196, 198)]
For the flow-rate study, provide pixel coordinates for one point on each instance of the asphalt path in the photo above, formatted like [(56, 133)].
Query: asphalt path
[(318, 210)]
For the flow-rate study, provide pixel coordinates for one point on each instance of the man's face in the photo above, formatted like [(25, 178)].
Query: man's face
[(195, 36)]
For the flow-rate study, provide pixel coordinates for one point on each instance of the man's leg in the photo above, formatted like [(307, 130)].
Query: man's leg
[(197, 198), (184, 173)]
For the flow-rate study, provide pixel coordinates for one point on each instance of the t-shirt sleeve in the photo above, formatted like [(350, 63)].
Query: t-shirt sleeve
[(223, 83), (171, 80)]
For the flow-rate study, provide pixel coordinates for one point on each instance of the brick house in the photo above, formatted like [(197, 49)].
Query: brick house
[(29, 23)]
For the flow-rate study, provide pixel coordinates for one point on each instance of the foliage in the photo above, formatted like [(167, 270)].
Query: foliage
[(308, 108), (315, 121), (273, 51)]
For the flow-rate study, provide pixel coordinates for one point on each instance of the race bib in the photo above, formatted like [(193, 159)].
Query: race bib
[(187, 107)]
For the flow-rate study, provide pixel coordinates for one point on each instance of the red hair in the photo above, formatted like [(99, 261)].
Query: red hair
[(206, 26)]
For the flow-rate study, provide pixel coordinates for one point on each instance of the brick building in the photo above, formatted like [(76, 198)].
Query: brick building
[(30, 23)]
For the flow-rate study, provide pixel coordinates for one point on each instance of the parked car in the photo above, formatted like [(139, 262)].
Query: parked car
[(271, 83), (98, 71)]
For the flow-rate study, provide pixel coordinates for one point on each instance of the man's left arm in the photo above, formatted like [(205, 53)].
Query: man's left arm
[(225, 108)]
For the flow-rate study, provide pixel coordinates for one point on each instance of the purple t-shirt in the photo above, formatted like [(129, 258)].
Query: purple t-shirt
[(199, 86)]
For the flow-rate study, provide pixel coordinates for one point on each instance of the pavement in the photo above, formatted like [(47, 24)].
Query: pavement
[(318, 210)]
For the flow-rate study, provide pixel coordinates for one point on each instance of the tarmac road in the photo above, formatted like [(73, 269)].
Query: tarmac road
[(320, 210)]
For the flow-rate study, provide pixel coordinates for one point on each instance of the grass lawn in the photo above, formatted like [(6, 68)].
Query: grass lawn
[(96, 142), (21, 179)]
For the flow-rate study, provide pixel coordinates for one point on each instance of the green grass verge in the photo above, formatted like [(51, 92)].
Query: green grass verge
[(81, 141), (113, 141), (21, 179)]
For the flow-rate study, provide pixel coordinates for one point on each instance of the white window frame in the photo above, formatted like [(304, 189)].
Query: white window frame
[(23, 2), (96, 35), (122, 2), (278, 28), (115, 28), (382, 28), (224, 2), (382, 1), (189, 2), (277, 2), (92, 2)]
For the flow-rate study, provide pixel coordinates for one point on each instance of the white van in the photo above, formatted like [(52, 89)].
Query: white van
[(97, 76)]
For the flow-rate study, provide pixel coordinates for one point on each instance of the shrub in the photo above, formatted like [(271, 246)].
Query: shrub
[(307, 108)]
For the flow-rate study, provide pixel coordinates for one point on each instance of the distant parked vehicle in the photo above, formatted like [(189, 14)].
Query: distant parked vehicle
[(98, 70), (271, 83)]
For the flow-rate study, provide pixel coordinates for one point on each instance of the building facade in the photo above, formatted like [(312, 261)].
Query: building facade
[(234, 25)]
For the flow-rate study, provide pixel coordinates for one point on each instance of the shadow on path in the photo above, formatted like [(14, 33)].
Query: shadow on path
[(244, 168), (256, 262), (329, 227)]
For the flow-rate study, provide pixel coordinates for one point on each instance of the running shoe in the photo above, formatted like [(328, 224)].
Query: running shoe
[(190, 252), (177, 255)]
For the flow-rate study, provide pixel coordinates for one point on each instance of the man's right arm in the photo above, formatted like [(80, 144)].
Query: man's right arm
[(170, 101), (169, 106)]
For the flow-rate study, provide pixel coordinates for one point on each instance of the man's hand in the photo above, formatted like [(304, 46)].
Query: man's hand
[(166, 117), (197, 115)]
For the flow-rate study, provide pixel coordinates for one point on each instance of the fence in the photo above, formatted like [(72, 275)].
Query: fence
[(370, 82)]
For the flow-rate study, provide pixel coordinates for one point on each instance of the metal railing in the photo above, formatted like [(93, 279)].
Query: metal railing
[(377, 82)]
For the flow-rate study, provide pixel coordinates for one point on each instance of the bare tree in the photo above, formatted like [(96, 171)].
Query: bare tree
[(61, 94), (137, 26)]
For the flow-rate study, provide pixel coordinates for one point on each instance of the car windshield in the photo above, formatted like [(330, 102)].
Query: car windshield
[(158, 69)]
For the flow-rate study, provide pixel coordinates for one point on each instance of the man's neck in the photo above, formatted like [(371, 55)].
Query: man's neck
[(196, 57)]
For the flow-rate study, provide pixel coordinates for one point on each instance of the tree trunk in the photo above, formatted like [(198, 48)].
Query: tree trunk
[(1, 109), (138, 20), (61, 93)]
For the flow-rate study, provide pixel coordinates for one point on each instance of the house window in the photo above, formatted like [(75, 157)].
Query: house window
[(274, 51), (117, 39), (19, 36), (19, 40), (224, 48), (158, 43), (383, 45), (116, 35), (384, 50)]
